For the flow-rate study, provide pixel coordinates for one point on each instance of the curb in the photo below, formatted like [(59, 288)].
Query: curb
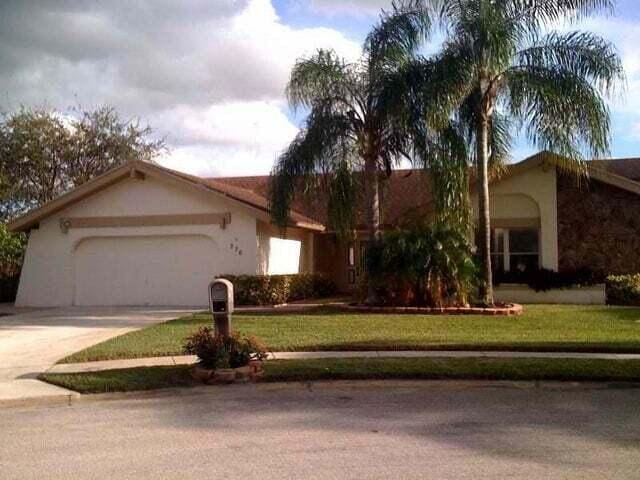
[(64, 399), (87, 367), (240, 389)]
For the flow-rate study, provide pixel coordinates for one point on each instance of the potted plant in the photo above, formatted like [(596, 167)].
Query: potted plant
[(225, 359)]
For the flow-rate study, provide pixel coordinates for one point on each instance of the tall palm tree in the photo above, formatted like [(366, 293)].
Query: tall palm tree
[(352, 126), (509, 69)]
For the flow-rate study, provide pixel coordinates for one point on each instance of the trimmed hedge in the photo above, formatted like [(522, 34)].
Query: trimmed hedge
[(623, 289), (279, 289)]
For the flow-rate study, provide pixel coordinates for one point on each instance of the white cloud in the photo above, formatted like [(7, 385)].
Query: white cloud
[(236, 138), (190, 70), (360, 8)]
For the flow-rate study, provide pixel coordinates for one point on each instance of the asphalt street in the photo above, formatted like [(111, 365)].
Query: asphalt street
[(393, 430)]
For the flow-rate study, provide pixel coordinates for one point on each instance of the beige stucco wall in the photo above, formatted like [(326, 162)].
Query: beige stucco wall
[(525, 195), (50, 271), (267, 231)]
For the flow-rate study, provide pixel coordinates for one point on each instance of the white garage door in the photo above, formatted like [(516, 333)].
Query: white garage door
[(158, 270)]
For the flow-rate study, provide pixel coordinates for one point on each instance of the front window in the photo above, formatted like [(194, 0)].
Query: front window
[(515, 249)]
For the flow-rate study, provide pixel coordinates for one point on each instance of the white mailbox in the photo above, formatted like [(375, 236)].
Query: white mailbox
[(221, 304)]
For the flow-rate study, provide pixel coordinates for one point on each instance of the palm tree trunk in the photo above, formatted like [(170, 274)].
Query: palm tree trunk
[(372, 215), (484, 221)]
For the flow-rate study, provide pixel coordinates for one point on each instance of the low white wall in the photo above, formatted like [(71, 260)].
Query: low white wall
[(515, 293)]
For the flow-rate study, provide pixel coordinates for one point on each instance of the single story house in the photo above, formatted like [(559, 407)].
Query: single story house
[(142, 234)]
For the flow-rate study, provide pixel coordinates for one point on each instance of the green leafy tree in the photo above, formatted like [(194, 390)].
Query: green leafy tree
[(351, 138), (12, 246), (508, 69), (43, 153)]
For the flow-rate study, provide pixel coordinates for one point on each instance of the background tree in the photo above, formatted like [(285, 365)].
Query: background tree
[(349, 136), (508, 72), (44, 153), (12, 247)]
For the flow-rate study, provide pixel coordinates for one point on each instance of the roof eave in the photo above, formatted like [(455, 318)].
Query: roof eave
[(136, 169), (315, 227), (32, 218), (593, 171)]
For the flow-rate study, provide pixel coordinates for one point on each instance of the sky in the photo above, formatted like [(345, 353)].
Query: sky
[(209, 75)]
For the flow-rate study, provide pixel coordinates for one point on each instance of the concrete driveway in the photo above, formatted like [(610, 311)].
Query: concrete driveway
[(32, 341)]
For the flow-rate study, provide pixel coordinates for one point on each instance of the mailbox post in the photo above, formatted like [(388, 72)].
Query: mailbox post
[(221, 305)]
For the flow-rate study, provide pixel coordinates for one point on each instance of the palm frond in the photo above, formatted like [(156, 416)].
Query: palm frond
[(449, 12), (323, 77), (535, 13), (501, 141), (582, 54), (322, 147), (561, 112), (343, 187), (398, 34), (445, 155)]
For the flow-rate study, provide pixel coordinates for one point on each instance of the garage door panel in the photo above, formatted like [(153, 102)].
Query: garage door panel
[(156, 270)]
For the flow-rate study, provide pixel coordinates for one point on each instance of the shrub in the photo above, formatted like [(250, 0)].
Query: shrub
[(279, 289), (623, 289), (307, 285), (542, 280), (215, 351), (427, 264)]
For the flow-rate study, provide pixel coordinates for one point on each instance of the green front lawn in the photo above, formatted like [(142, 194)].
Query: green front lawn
[(541, 327), (150, 378)]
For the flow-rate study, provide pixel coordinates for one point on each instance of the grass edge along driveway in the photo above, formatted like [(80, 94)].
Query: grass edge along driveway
[(540, 328), (152, 378)]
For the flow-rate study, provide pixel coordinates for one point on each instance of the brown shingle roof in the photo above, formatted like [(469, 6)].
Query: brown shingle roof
[(625, 167), (406, 193)]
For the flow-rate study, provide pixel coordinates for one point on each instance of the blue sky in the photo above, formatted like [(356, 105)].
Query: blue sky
[(623, 29), (209, 75)]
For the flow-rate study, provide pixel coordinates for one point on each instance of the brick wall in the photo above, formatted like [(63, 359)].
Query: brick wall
[(598, 227)]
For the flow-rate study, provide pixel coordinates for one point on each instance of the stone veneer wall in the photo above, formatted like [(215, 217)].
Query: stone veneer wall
[(598, 227)]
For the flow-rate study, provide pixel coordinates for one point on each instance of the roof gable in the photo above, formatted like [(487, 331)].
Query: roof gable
[(250, 200), (601, 170)]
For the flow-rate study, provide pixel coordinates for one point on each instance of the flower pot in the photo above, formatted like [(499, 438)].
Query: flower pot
[(224, 375), (202, 374), (256, 369), (243, 374)]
